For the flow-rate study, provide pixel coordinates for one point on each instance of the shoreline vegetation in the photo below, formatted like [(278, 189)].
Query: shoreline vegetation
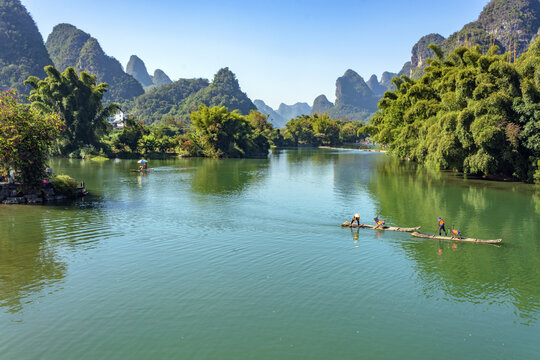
[(472, 113)]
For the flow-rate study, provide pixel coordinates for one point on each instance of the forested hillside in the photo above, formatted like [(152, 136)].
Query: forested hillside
[(69, 46), (22, 52), (174, 102)]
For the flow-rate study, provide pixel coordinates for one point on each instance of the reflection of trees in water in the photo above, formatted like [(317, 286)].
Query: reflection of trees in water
[(310, 156), (227, 175), (27, 263), (307, 159), (475, 273), (31, 240), (353, 171)]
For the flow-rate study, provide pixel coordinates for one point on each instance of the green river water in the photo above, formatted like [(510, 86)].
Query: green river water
[(246, 259)]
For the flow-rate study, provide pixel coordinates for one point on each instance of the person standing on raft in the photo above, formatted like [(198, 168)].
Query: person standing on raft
[(379, 223), (441, 227), (356, 218)]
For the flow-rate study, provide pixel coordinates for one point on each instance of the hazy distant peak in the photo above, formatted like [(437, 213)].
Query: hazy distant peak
[(136, 68), (160, 78)]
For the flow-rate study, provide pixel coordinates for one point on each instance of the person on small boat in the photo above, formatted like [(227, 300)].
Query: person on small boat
[(143, 166), (441, 227), (455, 233), (378, 222), (356, 218)]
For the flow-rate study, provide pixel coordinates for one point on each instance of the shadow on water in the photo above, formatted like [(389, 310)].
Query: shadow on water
[(477, 273)]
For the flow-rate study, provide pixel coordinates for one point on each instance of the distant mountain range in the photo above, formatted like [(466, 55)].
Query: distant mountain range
[(284, 113), (69, 46), (509, 24), (136, 68)]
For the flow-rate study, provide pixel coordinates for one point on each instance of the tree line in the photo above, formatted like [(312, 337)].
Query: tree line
[(64, 116), (470, 112)]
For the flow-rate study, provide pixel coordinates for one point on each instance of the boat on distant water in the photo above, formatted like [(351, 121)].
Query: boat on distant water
[(142, 170)]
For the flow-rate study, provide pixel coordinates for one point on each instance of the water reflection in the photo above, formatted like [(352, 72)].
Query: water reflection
[(467, 272), (28, 263), (353, 171), (34, 242), (227, 175)]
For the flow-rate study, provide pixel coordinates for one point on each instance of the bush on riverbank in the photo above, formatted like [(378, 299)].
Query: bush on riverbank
[(64, 185)]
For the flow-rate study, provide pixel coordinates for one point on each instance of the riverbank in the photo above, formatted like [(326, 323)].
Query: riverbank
[(12, 194), (357, 149)]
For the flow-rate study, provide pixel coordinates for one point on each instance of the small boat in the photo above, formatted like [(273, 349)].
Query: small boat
[(384, 227), (142, 170), (426, 236)]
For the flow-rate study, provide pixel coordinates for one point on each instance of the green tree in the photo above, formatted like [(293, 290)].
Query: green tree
[(470, 111), (220, 133), (130, 135), (78, 100), (26, 136)]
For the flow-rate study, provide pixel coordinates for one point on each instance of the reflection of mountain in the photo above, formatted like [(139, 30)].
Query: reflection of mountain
[(27, 263), (475, 273), (228, 175)]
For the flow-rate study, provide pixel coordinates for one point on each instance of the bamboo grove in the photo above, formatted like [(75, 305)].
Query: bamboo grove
[(471, 112)]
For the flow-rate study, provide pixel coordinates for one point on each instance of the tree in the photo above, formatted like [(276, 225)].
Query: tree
[(26, 136), (220, 133), (470, 112), (78, 100), (130, 135)]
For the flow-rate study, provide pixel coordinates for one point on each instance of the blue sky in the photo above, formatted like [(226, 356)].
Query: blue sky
[(281, 51)]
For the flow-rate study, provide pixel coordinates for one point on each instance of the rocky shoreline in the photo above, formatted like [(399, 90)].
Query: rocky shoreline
[(11, 194)]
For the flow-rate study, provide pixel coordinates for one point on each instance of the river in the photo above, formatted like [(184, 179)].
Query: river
[(246, 259)]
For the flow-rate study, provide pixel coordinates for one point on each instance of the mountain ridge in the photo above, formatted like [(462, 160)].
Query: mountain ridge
[(70, 46)]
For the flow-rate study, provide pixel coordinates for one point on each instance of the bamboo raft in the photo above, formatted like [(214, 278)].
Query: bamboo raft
[(426, 236), (384, 227)]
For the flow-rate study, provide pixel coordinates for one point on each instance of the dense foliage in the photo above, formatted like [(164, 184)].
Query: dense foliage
[(26, 136), (223, 91), (165, 104), (22, 52), (471, 112), (320, 129), (173, 103), (137, 138), (64, 185), (78, 100), (71, 47), (220, 133)]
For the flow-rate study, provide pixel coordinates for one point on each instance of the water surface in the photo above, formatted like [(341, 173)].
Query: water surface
[(245, 259)]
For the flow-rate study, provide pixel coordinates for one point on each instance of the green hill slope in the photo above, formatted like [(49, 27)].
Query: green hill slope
[(22, 52)]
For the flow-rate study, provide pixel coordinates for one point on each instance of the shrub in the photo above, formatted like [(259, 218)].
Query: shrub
[(64, 185)]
